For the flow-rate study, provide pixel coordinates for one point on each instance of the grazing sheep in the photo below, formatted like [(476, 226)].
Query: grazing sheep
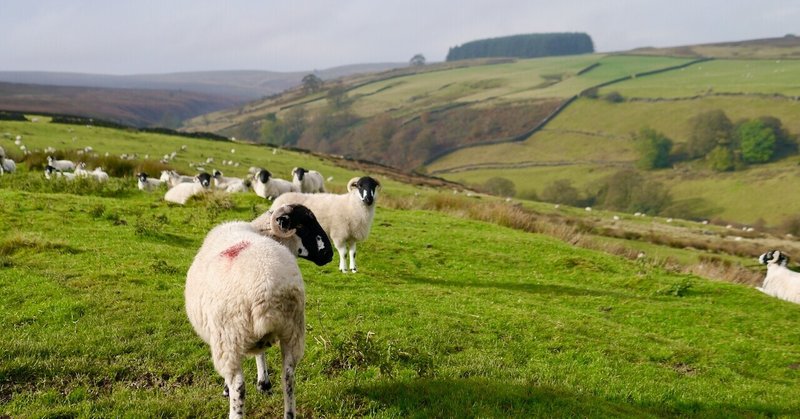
[(146, 183), (50, 172), (308, 181), (61, 165), (346, 218), (181, 192), (230, 184), (780, 282), (269, 187), (244, 292), (7, 165), (172, 178)]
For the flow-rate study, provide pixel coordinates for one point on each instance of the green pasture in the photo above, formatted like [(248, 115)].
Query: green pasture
[(447, 317), (767, 77)]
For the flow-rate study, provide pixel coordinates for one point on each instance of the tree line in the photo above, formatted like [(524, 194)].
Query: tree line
[(524, 46)]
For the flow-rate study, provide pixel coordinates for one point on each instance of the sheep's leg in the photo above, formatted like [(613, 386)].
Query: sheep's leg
[(341, 248), (236, 382), (353, 257), (290, 358), (229, 366), (263, 384)]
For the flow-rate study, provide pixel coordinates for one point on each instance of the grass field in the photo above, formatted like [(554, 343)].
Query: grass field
[(446, 318)]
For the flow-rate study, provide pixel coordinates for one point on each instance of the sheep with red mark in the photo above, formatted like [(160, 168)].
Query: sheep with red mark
[(244, 292)]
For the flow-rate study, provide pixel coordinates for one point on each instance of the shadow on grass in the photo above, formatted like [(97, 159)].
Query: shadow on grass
[(481, 398)]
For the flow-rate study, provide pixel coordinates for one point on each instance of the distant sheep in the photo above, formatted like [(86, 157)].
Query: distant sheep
[(181, 192), (347, 218), (230, 184), (308, 181), (97, 174), (61, 165), (244, 292), (146, 183), (269, 187), (780, 282)]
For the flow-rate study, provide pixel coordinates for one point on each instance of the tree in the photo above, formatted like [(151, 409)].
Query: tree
[(757, 141), (721, 159), (337, 97), (785, 142), (417, 60), (311, 83), (707, 131), (561, 191), (500, 186), (654, 149), (630, 191)]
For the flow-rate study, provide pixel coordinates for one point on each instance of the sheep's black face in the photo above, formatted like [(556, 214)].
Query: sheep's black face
[(774, 256), (142, 176), (300, 173), (316, 244), (367, 189), (204, 179), (264, 175), (217, 174)]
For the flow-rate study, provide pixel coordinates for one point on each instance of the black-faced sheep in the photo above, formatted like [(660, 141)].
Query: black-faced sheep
[(780, 282), (50, 172), (61, 165), (308, 181), (269, 187), (181, 192), (244, 292), (146, 183), (172, 178), (346, 218), (230, 184)]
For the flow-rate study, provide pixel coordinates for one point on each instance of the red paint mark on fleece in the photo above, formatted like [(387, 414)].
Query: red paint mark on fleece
[(234, 250)]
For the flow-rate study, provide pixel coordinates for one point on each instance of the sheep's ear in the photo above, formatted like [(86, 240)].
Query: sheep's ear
[(281, 223), (352, 183)]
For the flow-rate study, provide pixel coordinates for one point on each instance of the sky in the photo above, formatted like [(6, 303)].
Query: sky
[(166, 36)]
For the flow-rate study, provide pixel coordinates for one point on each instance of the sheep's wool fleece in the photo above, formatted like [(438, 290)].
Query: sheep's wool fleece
[(243, 286), (181, 192)]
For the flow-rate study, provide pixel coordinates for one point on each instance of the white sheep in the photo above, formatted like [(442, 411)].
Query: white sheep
[(347, 218), (269, 187), (244, 292), (172, 178), (146, 183), (230, 184), (181, 192), (97, 174), (780, 282), (61, 165), (50, 172), (308, 181), (7, 165)]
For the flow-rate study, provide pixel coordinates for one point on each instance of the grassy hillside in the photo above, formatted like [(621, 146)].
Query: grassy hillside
[(447, 316), (787, 47)]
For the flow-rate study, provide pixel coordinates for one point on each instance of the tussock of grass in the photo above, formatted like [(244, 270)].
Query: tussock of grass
[(20, 242)]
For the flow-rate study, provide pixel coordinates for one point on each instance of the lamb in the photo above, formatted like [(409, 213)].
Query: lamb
[(181, 192), (50, 172), (308, 181), (244, 292), (172, 178), (346, 218), (781, 282), (230, 184), (146, 183), (269, 187), (61, 165)]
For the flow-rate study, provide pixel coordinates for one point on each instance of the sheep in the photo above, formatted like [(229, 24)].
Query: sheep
[(49, 171), (172, 178), (308, 181), (181, 192), (97, 174), (61, 165), (2, 153), (346, 218), (145, 183), (269, 187), (7, 165), (244, 291), (230, 184), (780, 282)]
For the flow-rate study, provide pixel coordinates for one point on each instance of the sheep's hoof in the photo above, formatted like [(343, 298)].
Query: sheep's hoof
[(344, 271), (265, 387), (225, 392), (354, 270)]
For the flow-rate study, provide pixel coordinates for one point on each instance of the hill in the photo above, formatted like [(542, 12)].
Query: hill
[(521, 325)]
